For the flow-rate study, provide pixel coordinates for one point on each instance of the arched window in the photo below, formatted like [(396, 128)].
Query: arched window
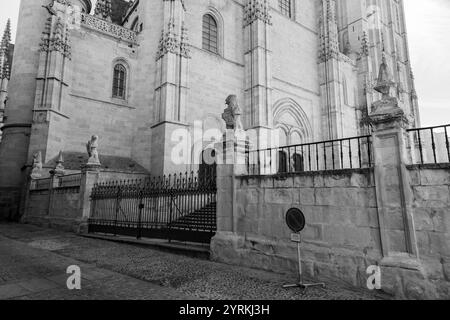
[(282, 162), (210, 34), (285, 7), (119, 81)]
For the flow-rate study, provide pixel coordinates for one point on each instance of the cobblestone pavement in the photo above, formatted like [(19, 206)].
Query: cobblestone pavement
[(35, 259)]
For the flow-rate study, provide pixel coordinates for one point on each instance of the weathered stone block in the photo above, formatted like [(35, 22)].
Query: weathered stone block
[(313, 232), (432, 196), (319, 181), (337, 181), (266, 182), (397, 240), (432, 219), (279, 196), (439, 244), (307, 196), (434, 177), (304, 181), (324, 197), (359, 180), (414, 177), (248, 196), (283, 182)]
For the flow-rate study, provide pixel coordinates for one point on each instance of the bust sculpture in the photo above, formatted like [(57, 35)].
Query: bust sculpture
[(232, 114)]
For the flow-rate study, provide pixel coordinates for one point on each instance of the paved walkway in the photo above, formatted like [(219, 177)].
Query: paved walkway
[(33, 263), (31, 270)]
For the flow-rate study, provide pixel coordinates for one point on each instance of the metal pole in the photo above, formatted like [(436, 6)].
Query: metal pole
[(299, 264)]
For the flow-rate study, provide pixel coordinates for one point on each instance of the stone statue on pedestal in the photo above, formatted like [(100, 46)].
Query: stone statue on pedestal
[(36, 172), (91, 147), (232, 114)]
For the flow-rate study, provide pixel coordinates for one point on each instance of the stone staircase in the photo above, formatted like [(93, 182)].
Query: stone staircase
[(203, 220)]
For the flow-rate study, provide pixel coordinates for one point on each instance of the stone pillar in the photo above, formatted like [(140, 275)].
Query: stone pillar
[(258, 112), (52, 83), (230, 163), (89, 177), (393, 189), (172, 87), (394, 196), (401, 269), (18, 113)]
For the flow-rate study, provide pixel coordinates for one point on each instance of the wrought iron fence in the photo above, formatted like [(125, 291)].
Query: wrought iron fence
[(348, 153), (430, 145), (174, 207)]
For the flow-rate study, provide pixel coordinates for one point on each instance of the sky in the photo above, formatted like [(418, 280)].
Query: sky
[(428, 24)]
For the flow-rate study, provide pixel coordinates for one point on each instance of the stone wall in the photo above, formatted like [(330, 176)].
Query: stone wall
[(68, 208), (431, 189), (9, 202), (341, 238), (56, 209)]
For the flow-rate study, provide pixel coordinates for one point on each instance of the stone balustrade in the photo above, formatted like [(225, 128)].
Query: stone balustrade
[(108, 28)]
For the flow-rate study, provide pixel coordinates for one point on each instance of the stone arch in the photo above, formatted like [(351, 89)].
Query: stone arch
[(299, 120)]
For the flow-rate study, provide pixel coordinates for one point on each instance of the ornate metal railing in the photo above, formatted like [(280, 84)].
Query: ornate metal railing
[(348, 153), (108, 28), (430, 145), (175, 207)]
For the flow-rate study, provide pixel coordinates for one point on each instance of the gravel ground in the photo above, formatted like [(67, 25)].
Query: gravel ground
[(193, 277)]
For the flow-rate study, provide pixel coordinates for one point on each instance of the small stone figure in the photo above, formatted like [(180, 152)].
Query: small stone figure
[(232, 114), (36, 172), (91, 147), (59, 169)]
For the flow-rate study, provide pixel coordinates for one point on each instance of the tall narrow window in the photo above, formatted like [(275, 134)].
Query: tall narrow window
[(210, 38), (119, 81), (285, 7)]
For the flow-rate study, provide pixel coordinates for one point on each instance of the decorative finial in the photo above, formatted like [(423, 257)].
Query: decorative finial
[(385, 85), (59, 168)]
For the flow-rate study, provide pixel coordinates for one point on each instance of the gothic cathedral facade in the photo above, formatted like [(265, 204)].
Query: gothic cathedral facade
[(135, 73)]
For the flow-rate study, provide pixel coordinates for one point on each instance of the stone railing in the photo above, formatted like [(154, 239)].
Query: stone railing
[(108, 28)]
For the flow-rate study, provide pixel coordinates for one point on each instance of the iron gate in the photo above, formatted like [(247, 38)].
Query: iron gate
[(179, 207)]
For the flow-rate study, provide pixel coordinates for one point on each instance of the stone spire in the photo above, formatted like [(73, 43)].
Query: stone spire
[(4, 52), (103, 9)]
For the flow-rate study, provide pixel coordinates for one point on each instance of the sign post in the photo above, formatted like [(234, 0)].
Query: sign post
[(296, 222)]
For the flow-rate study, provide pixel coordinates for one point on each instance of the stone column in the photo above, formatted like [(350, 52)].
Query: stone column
[(231, 162), (258, 69), (89, 177), (171, 87), (394, 195)]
